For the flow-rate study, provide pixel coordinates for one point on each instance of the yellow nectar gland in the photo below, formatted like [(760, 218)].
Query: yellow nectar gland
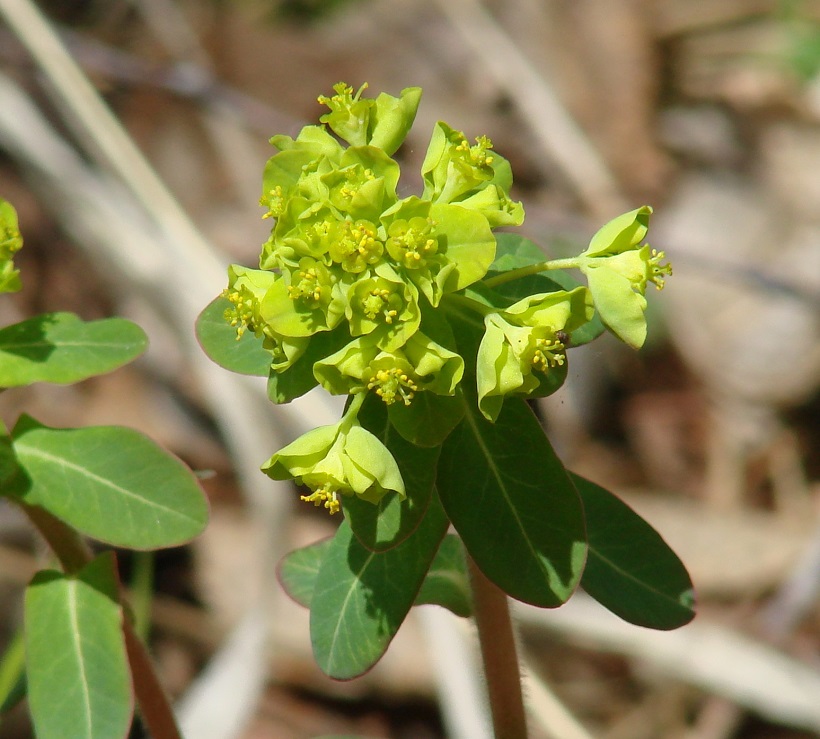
[(548, 354), (392, 385), (344, 95), (410, 242), (350, 189), (324, 496)]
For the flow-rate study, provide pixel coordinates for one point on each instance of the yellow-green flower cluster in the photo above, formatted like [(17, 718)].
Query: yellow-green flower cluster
[(359, 290), (346, 253)]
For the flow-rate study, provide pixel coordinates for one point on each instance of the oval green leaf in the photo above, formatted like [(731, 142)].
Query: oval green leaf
[(298, 569), (217, 338), (361, 597), (429, 419), (110, 483), (512, 502), (630, 568), (79, 682), (514, 251), (447, 584), (61, 348)]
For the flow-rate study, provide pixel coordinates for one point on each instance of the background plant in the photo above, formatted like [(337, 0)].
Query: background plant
[(84, 660), (438, 330)]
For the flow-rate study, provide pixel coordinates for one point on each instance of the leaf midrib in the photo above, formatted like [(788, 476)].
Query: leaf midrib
[(502, 486), (33, 451), (77, 643), (627, 575)]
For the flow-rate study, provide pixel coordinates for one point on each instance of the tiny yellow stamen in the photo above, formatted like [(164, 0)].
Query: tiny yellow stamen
[(392, 385), (548, 354), (324, 496)]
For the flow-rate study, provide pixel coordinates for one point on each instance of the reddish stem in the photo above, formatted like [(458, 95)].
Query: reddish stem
[(498, 650)]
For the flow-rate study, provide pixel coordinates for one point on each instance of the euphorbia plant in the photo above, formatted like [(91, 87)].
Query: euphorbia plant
[(83, 663), (438, 330)]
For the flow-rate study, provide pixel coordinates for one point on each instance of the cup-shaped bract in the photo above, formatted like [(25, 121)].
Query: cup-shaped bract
[(471, 176), (246, 290), (305, 300), (383, 122), (618, 267), (395, 376), (341, 459), (385, 308), (524, 341)]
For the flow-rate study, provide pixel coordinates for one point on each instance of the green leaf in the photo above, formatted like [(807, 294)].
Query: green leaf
[(385, 524), (447, 584), (79, 684), (514, 251), (61, 348), (512, 502), (429, 419), (298, 569), (361, 597), (630, 569), (110, 483), (218, 340)]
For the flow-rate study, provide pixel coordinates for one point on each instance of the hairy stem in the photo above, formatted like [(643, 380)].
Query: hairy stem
[(155, 708), (498, 651)]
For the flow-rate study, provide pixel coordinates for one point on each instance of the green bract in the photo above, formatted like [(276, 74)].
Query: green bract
[(525, 343), (340, 459), (395, 376), (10, 243), (246, 290), (618, 268), (383, 122)]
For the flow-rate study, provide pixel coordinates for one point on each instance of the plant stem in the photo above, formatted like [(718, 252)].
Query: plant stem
[(155, 708), (457, 299), (498, 651), (142, 592), (68, 546), (533, 269)]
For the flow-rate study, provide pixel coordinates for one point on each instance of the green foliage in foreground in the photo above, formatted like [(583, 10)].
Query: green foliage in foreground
[(109, 483)]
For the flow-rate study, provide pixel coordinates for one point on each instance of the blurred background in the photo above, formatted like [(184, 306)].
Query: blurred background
[(133, 134)]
